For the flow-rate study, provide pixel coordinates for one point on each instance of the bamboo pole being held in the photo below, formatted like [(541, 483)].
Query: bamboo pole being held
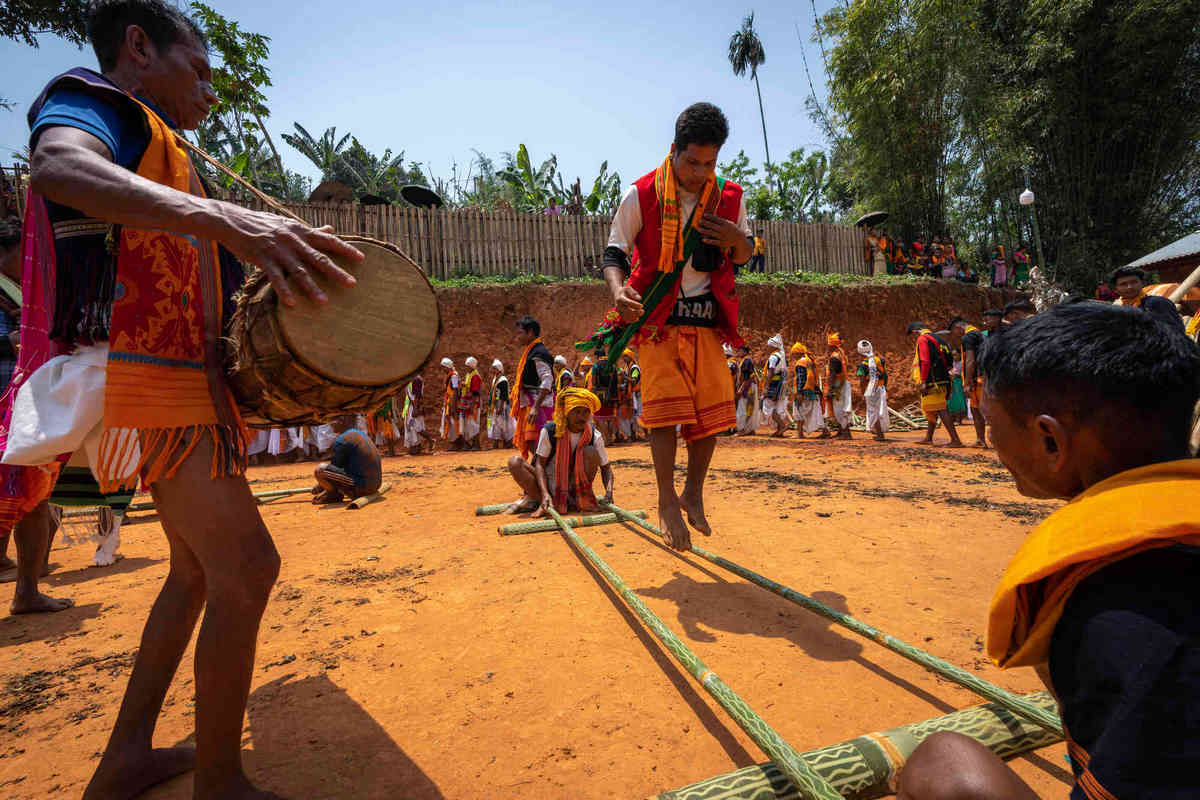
[(1185, 285), (986, 690), (866, 767), (539, 525), (809, 784)]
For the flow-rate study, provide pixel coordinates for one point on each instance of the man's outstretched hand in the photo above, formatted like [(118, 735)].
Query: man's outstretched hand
[(289, 252)]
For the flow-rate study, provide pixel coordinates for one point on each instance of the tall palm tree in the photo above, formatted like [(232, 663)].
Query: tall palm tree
[(324, 152), (746, 51)]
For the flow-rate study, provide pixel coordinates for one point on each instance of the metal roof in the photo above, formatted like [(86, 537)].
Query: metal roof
[(1186, 247)]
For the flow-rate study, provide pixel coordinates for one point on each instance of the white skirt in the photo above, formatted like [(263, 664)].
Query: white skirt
[(808, 413), (877, 410)]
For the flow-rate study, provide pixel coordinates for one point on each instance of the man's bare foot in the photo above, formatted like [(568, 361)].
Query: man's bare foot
[(879, 437), (982, 445), (40, 603), (327, 496), (825, 435), (522, 506), (955, 443), (928, 441), (694, 507), (119, 778), (676, 533), (317, 489)]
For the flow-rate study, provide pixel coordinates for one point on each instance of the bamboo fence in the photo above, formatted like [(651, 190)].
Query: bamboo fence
[(450, 243), (470, 241)]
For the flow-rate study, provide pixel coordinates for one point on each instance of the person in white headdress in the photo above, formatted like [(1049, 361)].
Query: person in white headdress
[(501, 425), (413, 416), (470, 404), (563, 377), (872, 382), (452, 387), (774, 402)]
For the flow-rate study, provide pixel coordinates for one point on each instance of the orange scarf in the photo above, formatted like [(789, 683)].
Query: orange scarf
[(1135, 302), (166, 385), (671, 229), (1133, 511), (564, 460), (515, 392)]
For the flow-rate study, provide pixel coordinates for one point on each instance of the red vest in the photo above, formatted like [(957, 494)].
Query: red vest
[(646, 249)]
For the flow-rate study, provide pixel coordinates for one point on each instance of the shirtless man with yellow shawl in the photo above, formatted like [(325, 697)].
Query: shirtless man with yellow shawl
[(686, 229), (133, 268), (1091, 404), (570, 452)]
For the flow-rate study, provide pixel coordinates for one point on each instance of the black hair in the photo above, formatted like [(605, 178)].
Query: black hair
[(955, 321), (530, 325), (1102, 364), (994, 312), (108, 20), (916, 327), (700, 123), (1020, 305), (1125, 272)]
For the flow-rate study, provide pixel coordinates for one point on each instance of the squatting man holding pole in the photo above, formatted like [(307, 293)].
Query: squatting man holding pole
[(570, 452)]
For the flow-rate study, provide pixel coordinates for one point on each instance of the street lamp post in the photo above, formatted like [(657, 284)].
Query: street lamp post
[(1026, 199)]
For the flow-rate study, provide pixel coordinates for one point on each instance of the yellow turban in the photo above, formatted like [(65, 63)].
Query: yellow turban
[(628, 354), (568, 401), (799, 348), (587, 362), (834, 340)]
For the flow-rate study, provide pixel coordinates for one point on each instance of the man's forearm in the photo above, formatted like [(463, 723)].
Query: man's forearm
[(615, 278), (742, 251), (74, 176)]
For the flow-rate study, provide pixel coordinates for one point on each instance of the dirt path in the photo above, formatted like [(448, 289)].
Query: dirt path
[(410, 651)]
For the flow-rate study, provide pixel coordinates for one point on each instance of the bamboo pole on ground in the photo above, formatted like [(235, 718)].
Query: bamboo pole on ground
[(945, 669), (802, 776), (491, 511), (540, 525), (367, 499), (261, 497), (866, 767)]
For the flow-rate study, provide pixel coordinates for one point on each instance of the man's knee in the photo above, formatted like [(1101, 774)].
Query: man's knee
[(951, 766), (517, 465)]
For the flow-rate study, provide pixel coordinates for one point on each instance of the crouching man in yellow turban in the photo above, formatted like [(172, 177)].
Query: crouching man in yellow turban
[(569, 454), (1091, 404)]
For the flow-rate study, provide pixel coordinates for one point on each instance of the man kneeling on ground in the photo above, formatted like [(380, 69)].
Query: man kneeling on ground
[(569, 453), (1091, 404), (355, 469)]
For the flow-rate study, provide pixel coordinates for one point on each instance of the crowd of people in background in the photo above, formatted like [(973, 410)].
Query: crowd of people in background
[(938, 257)]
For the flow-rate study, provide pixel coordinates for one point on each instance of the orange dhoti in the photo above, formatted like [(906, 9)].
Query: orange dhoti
[(685, 381)]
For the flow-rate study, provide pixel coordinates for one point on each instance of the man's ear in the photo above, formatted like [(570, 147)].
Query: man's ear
[(141, 49), (1054, 443)]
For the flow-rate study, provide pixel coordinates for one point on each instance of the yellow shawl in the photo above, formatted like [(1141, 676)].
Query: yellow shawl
[(1136, 510), (671, 251)]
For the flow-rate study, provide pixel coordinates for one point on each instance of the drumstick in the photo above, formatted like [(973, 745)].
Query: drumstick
[(274, 206)]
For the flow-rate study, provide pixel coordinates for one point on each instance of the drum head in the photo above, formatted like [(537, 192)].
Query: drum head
[(379, 331)]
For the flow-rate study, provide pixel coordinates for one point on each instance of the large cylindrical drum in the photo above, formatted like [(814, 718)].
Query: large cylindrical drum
[(308, 363)]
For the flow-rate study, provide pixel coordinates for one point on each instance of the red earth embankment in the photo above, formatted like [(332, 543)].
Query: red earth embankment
[(479, 320)]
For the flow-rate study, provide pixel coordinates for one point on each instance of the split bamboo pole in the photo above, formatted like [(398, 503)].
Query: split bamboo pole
[(866, 767), (810, 784), (988, 691), (540, 525)]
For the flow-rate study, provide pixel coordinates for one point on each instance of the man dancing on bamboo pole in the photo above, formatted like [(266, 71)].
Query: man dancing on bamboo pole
[(570, 452), (686, 230), (1100, 598), (119, 219)]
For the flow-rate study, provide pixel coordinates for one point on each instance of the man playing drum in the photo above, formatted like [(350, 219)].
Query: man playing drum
[(118, 215), (687, 229)]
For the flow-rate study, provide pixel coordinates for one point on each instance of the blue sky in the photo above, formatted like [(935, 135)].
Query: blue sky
[(589, 83)]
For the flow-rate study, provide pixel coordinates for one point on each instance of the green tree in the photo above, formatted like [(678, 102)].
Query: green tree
[(25, 20), (746, 52), (325, 153), (1101, 99), (368, 173), (239, 77)]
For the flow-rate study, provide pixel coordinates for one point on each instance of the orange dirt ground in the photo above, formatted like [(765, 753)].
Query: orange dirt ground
[(411, 652)]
